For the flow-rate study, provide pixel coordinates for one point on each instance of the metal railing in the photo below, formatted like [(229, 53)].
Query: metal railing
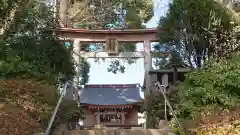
[(162, 89), (56, 108)]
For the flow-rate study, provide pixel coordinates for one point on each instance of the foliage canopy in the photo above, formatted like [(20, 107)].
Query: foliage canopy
[(196, 28), (31, 51)]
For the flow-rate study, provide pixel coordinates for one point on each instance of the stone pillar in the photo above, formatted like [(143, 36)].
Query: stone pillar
[(76, 57), (147, 77), (122, 118), (69, 93), (154, 79), (147, 65), (98, 119)]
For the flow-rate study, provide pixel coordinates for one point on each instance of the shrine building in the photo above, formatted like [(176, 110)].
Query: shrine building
[(111, 105)]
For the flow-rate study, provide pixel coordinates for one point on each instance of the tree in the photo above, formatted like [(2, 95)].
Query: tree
[(233, 7), (187, 25), (206, 37), (31, 56), (10, 11), (84, 71), (105, 14), (29, 49)]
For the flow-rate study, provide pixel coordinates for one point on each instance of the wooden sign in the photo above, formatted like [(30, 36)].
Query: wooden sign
[(112, 46)]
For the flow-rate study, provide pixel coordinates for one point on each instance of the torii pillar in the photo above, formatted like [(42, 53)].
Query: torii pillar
[(147, 66), (76, 57)]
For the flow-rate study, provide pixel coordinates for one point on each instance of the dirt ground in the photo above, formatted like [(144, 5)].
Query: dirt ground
[(15, 121)]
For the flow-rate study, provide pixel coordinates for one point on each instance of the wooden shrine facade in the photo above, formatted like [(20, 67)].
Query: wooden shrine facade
[(109, 115), (111, 105)]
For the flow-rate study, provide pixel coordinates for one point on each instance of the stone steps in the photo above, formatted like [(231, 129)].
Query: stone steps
[(118, 132), (62, 130)]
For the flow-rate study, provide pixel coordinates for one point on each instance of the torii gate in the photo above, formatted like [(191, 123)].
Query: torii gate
[(79, 36)]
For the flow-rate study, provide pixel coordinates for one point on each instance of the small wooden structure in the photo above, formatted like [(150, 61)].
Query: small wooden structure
[(157, 75), (111, 105)]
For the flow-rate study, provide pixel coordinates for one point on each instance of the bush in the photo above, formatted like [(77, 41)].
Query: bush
[(217, 85)]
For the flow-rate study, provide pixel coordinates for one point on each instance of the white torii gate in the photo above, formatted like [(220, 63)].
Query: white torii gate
[(80, 36)]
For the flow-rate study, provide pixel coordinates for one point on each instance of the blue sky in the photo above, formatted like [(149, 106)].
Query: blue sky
[(134, 73)]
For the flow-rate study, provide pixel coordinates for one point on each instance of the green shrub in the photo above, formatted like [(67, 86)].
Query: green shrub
[(217, 85)]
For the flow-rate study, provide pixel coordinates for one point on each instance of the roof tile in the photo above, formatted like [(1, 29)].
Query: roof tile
[(110, 95)]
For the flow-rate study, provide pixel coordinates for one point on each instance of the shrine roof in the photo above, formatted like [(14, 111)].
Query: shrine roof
[(110, 94), (125, 31), (184, 70)]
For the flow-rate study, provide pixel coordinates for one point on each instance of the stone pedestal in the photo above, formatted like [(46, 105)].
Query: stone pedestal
[(61, 129), (163, 124)]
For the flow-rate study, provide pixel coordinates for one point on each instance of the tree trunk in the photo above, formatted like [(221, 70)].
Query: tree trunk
[(63, 12), (189, 60)]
